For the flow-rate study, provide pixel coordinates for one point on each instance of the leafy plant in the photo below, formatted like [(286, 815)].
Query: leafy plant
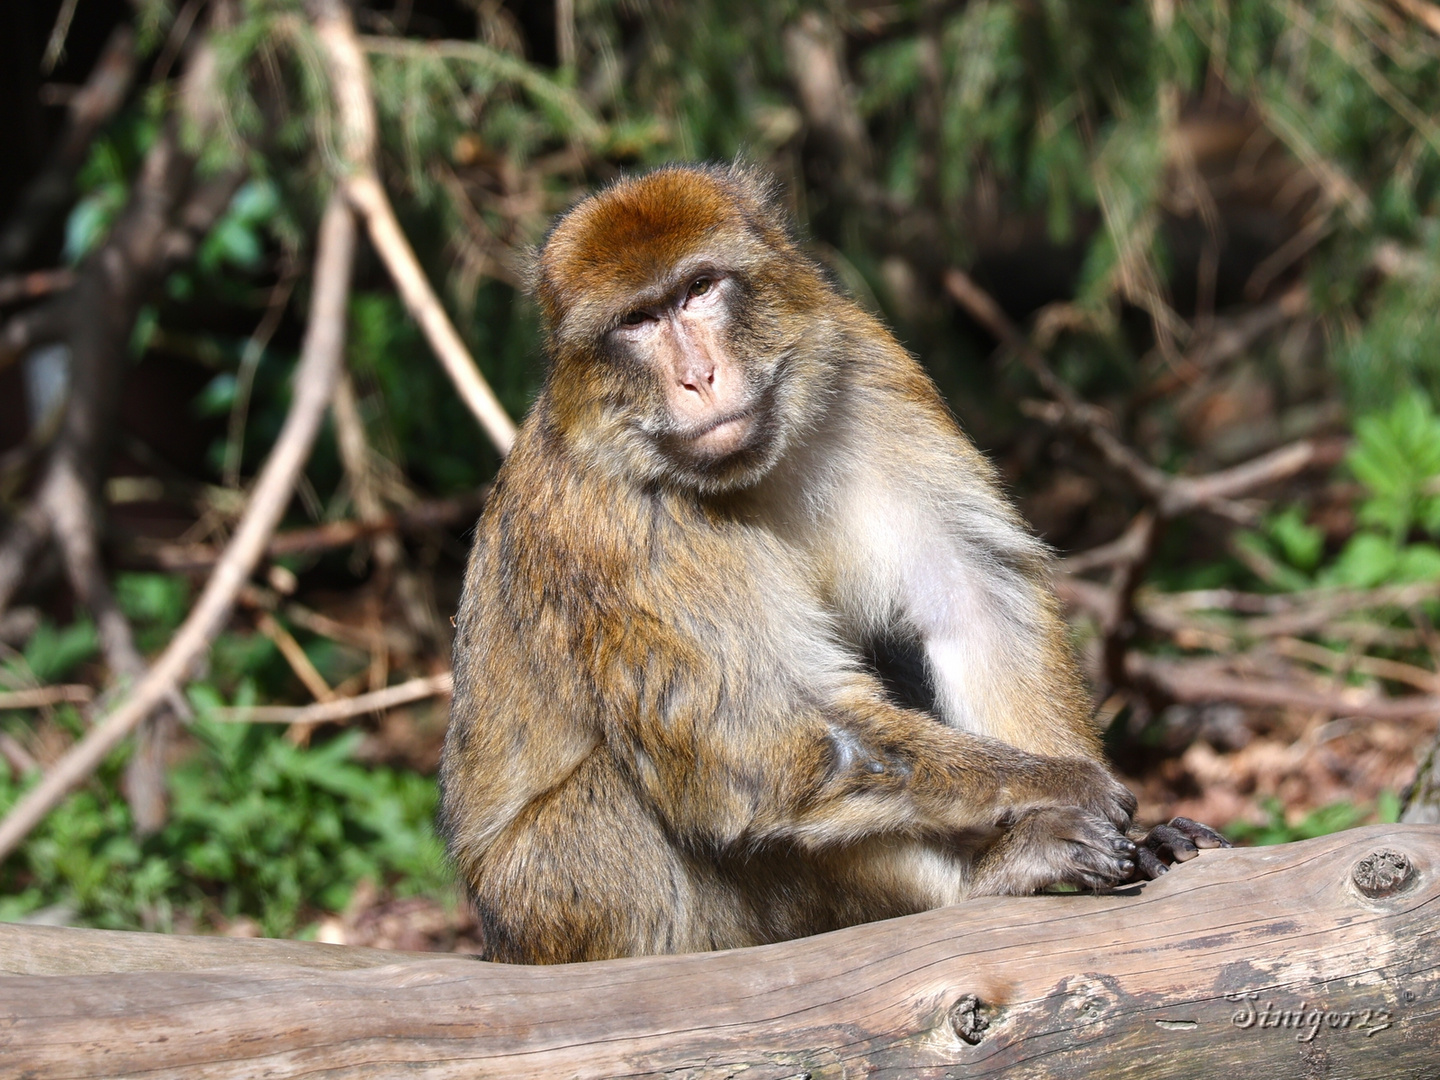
[(155, 603), (259, 827), (1335, 817), (52, 653), (1396, 458)]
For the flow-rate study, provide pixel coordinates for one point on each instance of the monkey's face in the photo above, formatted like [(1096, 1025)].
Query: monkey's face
[(672, 308), (703, 389)]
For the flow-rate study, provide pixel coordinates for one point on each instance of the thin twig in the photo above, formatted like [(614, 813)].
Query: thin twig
[(314, 383), (1327, 603), (1380, 668), (1200, 681), (295, 656), (35, 284), (42, 697), (55, 47), (20, 760), (1296, 613), (1067, 407), (425, 308), (250, 359), (368, 638), (315, 539), (342, 708)]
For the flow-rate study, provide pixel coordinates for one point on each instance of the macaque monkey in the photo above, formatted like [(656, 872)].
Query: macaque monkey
[(752, 645)]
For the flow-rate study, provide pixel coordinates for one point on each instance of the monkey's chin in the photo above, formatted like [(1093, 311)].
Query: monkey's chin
[(732, 454)]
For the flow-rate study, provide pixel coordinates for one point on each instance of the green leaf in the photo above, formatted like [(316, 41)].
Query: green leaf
[(1300, 544), (90, 220), (218, 396), (52, 654), (1366, 560)]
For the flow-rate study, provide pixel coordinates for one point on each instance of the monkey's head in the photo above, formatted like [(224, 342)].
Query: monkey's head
[(680, 316)]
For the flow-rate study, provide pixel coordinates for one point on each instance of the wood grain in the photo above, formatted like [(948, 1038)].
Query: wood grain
[(1267, 962)]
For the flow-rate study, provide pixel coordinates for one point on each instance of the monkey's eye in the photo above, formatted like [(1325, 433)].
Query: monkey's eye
[(701, 286), (635, 318)]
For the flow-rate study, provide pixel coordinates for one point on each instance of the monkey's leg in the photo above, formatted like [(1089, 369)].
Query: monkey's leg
[(585, 873)]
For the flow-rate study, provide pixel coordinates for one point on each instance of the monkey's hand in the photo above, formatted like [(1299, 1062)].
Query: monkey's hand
[(1087, 784), (1055, 845), (1179, 841)]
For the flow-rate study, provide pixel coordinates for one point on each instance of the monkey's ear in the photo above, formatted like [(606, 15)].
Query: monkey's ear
[(527, 265), (758, 187), (762, 196)]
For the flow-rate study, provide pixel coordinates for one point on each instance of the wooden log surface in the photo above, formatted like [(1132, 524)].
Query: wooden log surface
[(1314, 959)]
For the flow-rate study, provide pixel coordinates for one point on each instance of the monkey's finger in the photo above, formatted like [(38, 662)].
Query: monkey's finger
[(1168, 838), (1124, 847), (1121, 809), (1201, 835), (1149, 866), (1103, 862), (1091, 833), (1105, 873)]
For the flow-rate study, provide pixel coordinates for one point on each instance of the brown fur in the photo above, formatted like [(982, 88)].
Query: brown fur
[(665, 736)]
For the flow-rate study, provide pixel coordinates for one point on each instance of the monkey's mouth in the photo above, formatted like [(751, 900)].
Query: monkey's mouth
[(722, 436)]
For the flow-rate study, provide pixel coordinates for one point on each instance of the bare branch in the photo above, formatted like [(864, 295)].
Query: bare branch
[(1172, 495), (425, 308), (35, 284), (342, 708), (42, 697), (1393, 670), (315, 377), (814, 55), (350, 77), (296, 657), (431, 514), (1286, 614), (1422, 11), (1186, 493), (1198, 681)]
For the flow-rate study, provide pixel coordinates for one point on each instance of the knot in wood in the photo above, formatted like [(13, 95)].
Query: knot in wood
[(966, 1020), (1383, 873)]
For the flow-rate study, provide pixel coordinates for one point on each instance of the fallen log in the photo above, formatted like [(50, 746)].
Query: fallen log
[(1311, 959)]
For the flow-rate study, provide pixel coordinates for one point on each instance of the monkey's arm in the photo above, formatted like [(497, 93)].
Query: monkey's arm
[(860, 767)]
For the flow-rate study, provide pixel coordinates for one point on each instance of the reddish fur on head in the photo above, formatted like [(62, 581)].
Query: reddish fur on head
[(702, 399), (624, 240)]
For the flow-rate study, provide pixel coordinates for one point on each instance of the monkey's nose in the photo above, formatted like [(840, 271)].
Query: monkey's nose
[(699, 381)]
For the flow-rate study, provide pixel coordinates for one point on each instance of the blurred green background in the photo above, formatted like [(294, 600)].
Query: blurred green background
[(1218, 221)]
